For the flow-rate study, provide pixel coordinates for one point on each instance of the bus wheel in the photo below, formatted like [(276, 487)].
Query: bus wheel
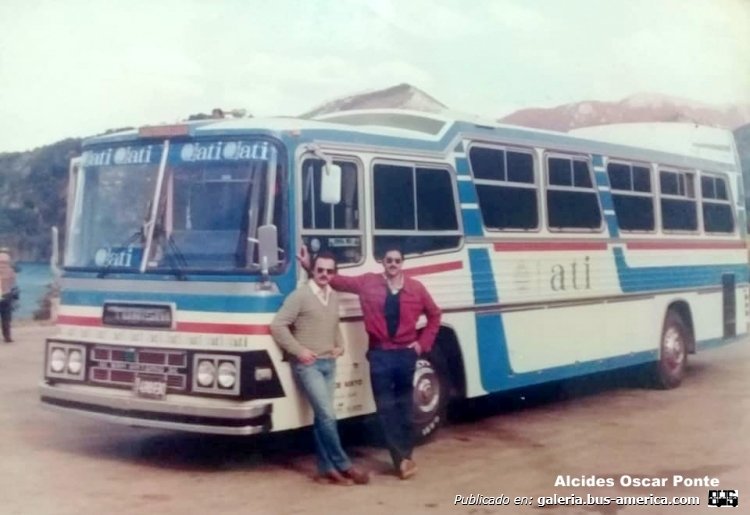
[(670, 369), (430, 395)]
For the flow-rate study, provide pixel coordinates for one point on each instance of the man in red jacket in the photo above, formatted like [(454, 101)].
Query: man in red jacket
[(391, 305)]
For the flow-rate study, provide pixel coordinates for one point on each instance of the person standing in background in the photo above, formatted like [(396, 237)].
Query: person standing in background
[(8, 292)]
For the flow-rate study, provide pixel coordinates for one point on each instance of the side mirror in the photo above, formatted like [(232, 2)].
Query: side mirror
[(330, 184), (268, 247)]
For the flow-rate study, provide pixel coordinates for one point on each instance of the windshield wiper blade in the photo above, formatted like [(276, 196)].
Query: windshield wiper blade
[(175, 258)]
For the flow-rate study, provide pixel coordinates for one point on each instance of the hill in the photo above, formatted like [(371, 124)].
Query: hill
[(643, 107), (33, 186), (402, 96)]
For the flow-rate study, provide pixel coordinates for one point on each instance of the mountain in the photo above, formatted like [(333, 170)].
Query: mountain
[(33, 186), (403, 96), (643, 107)]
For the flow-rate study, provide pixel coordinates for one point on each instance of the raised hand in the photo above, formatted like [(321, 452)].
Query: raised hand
[(303, 256)]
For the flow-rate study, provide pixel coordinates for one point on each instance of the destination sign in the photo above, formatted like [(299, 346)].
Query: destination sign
[(122, 156), (222, 150)]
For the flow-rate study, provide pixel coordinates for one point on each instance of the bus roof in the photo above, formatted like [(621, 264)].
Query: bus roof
[(691, 141)]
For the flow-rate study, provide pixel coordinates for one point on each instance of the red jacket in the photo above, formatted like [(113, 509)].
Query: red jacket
[(414, 300)]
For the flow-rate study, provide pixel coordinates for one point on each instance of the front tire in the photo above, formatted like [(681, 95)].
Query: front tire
[(673, 350), (430, 398)]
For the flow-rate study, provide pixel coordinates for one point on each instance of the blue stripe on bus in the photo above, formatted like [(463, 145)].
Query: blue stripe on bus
[(606, 199), (472, 222), (651, 278), (482, 278), (498, 375), (597, 160), (612, 225), (466, 192), (209, 303), (546, 375), (720, 342), (492, 348), (462, 166), (601, 179)]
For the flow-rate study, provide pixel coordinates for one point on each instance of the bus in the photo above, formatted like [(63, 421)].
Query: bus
[(552, 255)]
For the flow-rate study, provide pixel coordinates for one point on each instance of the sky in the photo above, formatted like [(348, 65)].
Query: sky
[(77, 68)]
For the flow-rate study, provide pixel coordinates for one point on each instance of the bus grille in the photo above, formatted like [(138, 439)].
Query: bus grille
[(120, 366)]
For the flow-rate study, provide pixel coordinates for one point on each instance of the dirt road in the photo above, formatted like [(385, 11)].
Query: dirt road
[(608, 429)]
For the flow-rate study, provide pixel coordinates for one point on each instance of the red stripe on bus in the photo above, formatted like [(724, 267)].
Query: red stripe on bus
[(525, 246), (77, 320), (686, 245), (207, 327), (434, 269)]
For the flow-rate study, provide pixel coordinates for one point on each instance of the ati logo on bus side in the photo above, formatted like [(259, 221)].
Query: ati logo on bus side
[(576, 276), (723, 498)]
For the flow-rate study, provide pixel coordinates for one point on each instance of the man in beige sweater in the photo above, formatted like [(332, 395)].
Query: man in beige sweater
[(307, 327)]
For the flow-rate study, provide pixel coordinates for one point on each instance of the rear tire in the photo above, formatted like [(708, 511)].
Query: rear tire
[(669, 371), (430, 399)]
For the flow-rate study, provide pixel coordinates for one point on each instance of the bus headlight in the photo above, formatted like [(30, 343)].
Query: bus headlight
[(66, 360), (75, 362), (57, 360), (206, 373), (216, 374), (227, 376)]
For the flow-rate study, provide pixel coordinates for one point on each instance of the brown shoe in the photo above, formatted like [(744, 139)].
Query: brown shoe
[(407, 469), (333, 477), (358, 476)]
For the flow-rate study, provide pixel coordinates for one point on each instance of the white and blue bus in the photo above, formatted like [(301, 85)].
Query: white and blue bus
[(552, 256)]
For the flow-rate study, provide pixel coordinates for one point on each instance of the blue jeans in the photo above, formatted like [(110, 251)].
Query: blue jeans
[(318, 382), (392, 378)]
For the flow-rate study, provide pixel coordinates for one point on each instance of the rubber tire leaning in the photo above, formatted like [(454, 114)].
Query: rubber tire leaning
[(669, 371)]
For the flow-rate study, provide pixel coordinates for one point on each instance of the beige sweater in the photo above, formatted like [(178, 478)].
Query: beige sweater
[(305, 322)]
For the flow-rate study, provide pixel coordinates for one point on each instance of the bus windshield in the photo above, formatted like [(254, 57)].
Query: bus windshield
[(211, 198), (113, 191), (215, 196)]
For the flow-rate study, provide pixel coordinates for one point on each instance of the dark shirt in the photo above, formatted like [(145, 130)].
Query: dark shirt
[(392, 312)]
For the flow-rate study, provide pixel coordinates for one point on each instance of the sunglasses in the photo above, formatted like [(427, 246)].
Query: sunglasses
[(327, 271), (391, 260)]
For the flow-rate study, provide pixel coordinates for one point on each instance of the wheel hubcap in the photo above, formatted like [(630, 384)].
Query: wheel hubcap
[(426, 388), (673, 349)]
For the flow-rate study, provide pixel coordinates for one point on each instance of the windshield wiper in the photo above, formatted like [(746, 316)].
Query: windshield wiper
[(175, 257)]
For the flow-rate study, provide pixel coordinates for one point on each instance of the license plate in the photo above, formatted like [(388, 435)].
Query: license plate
[(150, 389)]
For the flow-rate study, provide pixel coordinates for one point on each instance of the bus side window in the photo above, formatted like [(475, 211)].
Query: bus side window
[(678, 203), (506, 188), (632, 196), (572, 200), (717, 208), (415, 209), (336, 228)]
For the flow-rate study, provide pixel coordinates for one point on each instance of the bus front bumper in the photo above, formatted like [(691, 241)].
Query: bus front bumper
[(176, 412)]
